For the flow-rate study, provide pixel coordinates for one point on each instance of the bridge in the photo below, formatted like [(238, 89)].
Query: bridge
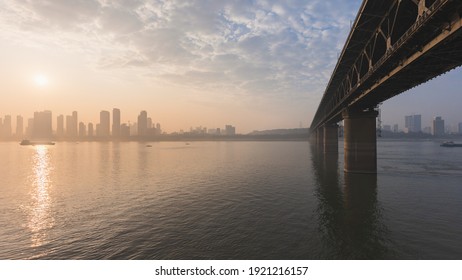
[(393, 46)]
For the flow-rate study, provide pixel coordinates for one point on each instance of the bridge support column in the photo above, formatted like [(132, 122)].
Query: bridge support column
[(320, 137), (360, 141), (330, 139)]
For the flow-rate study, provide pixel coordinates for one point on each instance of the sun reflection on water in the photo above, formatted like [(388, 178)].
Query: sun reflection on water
[(40, 216)]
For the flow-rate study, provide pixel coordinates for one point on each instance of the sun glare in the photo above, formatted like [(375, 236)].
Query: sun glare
[(41, 80)]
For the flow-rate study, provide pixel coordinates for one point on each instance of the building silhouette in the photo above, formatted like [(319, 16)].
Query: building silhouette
[(438, 126), (90, 130), (230, 130), (413, 123), (142, 123), (60, 126), (19, 126), (82, 130), (104, 124), (7, 132), (72, 125), (116, 123), (42, 128)]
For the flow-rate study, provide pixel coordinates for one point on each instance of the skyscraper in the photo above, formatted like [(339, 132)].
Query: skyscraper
[(438, 126), (230, 130), (116, 123), (42, 125), (75, 121), (7, 126), (142, 123), (60, 126), (19, 126), (72, 125), (82, 130), (90, 130), (413, 123), (104, 121)]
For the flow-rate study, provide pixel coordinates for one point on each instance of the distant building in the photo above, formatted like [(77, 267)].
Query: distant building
[(142, 123), (116, 122), (427, 130), (91, 132), (60, 126), (125, 131), (438, 126), (395, 128), (42, 125), (230, 130), (82, 130), (158, 129), (30, 127), (75, 121), (72, 125), (7, 132), (413, 123), (19, 127), (460, 128), (104, 124), (387, 127)]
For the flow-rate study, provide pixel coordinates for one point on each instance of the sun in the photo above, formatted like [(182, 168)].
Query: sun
[(41, 80)]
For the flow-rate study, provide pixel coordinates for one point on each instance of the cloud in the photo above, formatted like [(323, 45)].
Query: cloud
[(260, 47)]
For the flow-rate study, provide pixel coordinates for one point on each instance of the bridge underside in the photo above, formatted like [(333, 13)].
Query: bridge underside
[(394, 45)]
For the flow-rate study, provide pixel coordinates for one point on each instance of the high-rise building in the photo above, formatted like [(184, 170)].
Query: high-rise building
[(149, 124), (42, 125), (104, 121), (460, 128), (82, 130), (438, 126), (158, 129), (142, 123), (75, 122), (69, 122), (395, 128), (19, 126), (116, 122), (60, 126), (90, 130), (7, 126), (230, 130), (125, 131), (72, 125), (413, 123), (30, 127)]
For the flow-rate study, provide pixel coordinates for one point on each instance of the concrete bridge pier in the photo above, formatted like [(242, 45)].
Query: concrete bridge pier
[(320, 138), (330, 135), (360, 141)]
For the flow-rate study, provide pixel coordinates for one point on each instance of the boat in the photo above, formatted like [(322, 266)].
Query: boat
[(34, 143), (450, 144)]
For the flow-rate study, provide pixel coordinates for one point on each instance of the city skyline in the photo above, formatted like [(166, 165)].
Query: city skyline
[(258, 65), (43, 125), (110, 126)]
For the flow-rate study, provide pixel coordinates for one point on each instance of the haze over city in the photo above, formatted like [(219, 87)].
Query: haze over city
[(254, 64)]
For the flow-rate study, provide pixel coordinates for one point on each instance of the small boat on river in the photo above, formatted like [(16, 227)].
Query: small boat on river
[(34, 143), (450, 144)]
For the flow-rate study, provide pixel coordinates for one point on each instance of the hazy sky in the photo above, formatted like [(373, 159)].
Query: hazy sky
[(255, 64)]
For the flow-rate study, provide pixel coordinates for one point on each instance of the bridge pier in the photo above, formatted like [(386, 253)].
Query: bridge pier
[(360, 141), (320, 137), (330, 135)]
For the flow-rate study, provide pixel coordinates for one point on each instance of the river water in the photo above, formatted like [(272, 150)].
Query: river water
[(227, 200)]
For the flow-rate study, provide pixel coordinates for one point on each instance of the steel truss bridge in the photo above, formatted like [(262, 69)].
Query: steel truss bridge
[(394, 45)]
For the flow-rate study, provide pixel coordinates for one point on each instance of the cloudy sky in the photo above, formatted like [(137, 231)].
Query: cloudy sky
[(256, 64)]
